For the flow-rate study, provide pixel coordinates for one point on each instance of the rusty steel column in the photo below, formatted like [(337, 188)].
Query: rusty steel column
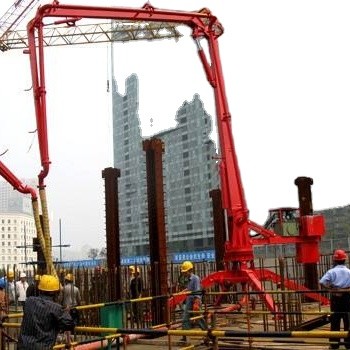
[(112, 232), (306, 208), (154, 149), (219, 228)]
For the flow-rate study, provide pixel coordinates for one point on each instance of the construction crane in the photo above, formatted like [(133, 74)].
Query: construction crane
[(238, 248), (67, 31), (12, 19), (70, 31)]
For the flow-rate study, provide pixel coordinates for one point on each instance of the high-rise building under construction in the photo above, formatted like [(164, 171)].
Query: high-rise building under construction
[(189, 169)]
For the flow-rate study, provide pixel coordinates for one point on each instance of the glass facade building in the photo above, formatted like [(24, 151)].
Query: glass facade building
[(189, 168)]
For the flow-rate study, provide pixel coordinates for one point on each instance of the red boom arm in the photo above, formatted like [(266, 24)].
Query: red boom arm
[(15, 182), (239, 246)]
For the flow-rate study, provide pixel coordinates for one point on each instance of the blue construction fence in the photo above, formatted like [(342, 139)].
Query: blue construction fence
[(205, 255)]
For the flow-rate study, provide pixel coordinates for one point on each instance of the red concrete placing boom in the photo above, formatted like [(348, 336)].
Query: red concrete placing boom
[(238, 256)]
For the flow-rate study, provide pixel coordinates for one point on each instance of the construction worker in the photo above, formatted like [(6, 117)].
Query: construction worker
[(32, 289), (336, 279), (70, 297), (193, 301), (3, 299), (135, 290), (43, 318), (21, 289), (11, 288)]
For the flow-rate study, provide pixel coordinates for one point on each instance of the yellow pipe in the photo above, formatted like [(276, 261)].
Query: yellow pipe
[(64, 346), (41, 236), (319, 334), (16, 315), (11, 324), (91, 306), (46, 230), (39, 230), (96, 329), (224, 333)]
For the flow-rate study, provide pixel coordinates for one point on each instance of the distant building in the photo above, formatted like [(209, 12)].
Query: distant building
[(190, 172), (12, 201), (17, 227), (337, 229)]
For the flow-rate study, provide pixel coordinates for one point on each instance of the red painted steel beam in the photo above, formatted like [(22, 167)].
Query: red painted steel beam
[(15, 182), (239, 245)]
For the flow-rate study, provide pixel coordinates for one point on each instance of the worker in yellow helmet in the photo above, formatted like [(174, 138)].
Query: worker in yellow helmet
[(193, 301), (135, 291), (70, 297), (43, 317)]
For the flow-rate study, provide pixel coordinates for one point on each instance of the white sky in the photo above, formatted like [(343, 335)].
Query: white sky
[(287, 74)]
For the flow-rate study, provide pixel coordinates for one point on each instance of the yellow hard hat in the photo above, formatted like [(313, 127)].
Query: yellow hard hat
[(49, 283), (69, 277), (10, 274), (37, 277), (186, 266), (133, 269)]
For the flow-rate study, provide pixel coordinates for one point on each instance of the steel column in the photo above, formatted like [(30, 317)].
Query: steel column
[(112, 232), (219, 228), (306, 208), (156, 221)]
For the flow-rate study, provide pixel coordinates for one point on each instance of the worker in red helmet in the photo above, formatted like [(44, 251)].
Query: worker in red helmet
[(337, 279)]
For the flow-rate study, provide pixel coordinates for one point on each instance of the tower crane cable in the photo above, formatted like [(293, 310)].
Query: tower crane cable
[(1, 154)]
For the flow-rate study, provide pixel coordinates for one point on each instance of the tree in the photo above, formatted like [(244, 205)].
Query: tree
[(103, 253), (93, 253)]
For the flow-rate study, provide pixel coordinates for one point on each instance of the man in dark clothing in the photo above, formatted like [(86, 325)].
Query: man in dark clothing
[(135, 292), (70, 297), (336, 279), (43, 318), (33, 290)]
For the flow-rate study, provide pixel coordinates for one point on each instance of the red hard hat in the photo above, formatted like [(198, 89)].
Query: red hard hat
[(339, 255)]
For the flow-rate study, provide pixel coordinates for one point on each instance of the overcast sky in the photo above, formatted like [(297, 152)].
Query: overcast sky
[(287, 74)]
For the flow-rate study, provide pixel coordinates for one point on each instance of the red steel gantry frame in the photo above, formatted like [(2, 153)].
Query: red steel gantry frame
[(238, 257)]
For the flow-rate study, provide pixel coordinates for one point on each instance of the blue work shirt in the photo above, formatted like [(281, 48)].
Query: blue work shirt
[(336, 277), (194, 285)]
